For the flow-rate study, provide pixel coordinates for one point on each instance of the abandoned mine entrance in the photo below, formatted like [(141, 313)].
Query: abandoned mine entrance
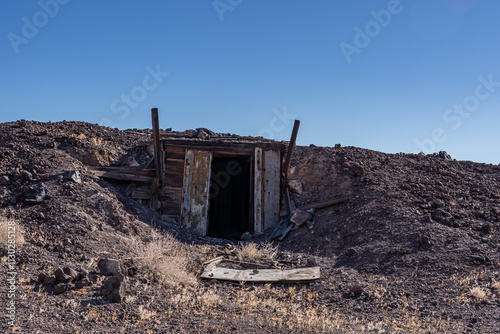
[(230, 197)]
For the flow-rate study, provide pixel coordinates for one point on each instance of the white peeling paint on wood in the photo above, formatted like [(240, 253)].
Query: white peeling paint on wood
[(271, 188), (262, 275), (197, 170)]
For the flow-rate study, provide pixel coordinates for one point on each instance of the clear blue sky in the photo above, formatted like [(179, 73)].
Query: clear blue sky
[(393, 76)]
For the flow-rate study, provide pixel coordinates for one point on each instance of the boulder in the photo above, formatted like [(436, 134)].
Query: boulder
[(61, 288), (70, 272), (113, 289), (42, 276), (110, 267), (35, 194), (62, 277), (83, 283), (49, 280)]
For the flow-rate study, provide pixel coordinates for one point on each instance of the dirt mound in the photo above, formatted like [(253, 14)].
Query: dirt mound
[(407, 210), (405, 254)]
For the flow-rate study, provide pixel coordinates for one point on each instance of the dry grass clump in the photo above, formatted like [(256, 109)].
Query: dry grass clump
[(9, 227), (495, 284), (164, 258), (252, 252), (478, 293), (145, 314)]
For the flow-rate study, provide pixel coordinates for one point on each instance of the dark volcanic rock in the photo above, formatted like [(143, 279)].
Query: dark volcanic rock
[(110, 267), (35, 194), (113, 289), (62, 277)]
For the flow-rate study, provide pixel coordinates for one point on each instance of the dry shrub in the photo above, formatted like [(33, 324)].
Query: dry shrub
[(252, 252), (478, 293), (145, 314), (164, 258), (8, 226), (495, 284)]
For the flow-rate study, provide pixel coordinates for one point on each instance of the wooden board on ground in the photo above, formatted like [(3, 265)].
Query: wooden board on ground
[(262, 275)]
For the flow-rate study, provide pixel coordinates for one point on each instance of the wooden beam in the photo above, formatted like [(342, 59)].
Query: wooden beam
[(124, 170), (123, 176), (320, 205), (155, 185), (159, 163), (263, 275), (288, 160)]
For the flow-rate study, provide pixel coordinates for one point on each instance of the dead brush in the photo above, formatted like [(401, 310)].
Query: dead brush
[(478, 293), (9, 228), (144, 314), (251, 252), (164, 258)]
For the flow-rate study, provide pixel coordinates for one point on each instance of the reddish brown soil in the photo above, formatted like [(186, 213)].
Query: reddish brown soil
[(418, 234)]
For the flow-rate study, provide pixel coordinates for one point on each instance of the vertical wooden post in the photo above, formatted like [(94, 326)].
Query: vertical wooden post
[(159, 180)]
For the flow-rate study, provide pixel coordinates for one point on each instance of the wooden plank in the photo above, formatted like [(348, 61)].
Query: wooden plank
[(167, 193), (280, 230), (174, 151), (172, 161), (171, 211), (263, 275), (271, 187), (123, 176), (257, 205), (174, 180), (232, 151), (196, 190), (130, 188), (285, 232), (321, 205), (210, 144), (126, 170), (175, 168)]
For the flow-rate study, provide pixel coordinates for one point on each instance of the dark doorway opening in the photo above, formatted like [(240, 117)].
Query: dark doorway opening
[(230, 197)]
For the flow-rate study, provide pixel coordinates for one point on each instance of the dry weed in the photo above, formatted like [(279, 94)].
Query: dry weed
[(252, 252), (164, 258), (10, 233), (478, 293), (144, 314)]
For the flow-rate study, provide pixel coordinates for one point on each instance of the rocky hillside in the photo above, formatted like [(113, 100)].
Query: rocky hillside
[(416, 249)]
